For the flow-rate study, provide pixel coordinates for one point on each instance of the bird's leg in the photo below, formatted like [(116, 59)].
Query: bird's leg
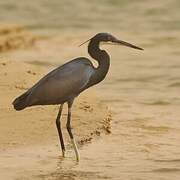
[(68, 125), (58, 125)]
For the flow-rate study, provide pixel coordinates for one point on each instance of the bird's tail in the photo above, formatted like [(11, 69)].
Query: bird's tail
[(21, 102)]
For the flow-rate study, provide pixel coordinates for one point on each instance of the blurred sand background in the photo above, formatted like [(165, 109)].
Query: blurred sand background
[(141, 90)]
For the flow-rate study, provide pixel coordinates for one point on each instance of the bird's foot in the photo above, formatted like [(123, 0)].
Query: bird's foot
[(75, 149)]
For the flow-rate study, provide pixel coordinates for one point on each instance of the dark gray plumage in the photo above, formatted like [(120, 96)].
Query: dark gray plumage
[(69, 80), (58, 86)]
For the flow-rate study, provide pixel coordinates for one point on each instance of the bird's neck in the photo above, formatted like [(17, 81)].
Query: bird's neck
[(103, 59)]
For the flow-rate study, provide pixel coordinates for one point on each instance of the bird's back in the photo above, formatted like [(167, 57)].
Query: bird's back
[(61, 84)]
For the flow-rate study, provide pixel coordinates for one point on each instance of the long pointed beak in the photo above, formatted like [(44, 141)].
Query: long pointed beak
[(120, 42)]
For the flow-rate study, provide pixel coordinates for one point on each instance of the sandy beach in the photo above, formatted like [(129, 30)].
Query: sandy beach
[(36, 126), (138, 101)]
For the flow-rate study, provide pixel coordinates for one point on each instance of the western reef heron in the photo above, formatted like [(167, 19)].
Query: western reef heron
[(65, 83)]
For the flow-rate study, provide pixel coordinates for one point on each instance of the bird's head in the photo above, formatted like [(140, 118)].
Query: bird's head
[(107, 38)]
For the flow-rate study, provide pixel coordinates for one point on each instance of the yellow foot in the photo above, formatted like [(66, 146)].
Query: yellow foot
[(76, 150)]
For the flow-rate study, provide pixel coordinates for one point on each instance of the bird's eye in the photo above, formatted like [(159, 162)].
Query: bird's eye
[(109, 38)]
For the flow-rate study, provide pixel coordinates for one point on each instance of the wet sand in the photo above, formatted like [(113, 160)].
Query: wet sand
[(142, 95), (141, 90)]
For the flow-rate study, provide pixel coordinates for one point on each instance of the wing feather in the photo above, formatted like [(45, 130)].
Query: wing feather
[(61, 84)]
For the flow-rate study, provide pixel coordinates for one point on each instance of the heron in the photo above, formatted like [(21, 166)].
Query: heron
[(63, 84)]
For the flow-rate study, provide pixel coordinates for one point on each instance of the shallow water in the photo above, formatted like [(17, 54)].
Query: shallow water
[(141, 89), (142, 92)]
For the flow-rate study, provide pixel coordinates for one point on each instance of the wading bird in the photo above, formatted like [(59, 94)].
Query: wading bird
[(65, 83)]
